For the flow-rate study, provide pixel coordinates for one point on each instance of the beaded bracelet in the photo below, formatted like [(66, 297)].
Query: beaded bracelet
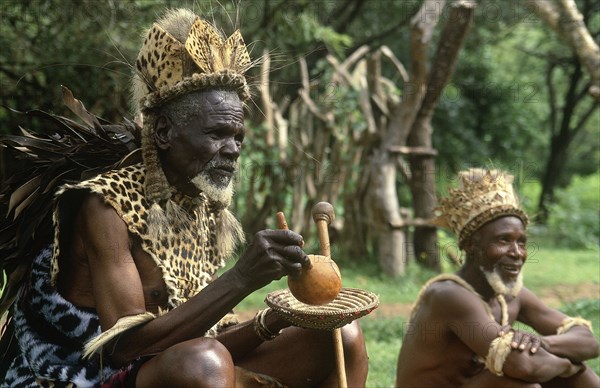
[(260, 327)]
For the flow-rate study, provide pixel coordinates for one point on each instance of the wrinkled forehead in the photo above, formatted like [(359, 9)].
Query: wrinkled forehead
[(214, 99), (204, 104), (504, 224)]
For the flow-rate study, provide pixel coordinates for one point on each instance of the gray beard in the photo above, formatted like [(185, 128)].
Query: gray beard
[(220, 192), (500, 286)]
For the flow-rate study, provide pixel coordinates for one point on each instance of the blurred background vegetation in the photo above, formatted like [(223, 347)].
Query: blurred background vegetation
[(517, 100), (515, 79)]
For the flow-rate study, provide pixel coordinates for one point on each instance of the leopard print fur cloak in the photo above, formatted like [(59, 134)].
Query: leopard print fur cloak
[(188, 258), (51, 332)]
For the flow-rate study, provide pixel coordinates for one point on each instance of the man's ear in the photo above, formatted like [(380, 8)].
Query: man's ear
[(468, 245), (162, 132)]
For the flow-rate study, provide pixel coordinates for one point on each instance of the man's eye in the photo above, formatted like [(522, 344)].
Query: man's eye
[(217, 134)]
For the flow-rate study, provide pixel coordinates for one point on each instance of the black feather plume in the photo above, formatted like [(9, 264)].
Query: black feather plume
[(67, 151)]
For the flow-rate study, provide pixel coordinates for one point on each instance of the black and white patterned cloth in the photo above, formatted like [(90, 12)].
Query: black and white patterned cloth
[(51, 333)]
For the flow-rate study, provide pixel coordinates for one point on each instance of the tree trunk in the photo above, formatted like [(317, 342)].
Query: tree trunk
[(563, 133), (422, 187), (384, 205), (564, 18), (422, 182), (385, 212), (552, 174), (372, 214)]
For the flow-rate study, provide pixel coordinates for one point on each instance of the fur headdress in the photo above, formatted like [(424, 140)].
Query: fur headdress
[(482, 196), (182, 53)]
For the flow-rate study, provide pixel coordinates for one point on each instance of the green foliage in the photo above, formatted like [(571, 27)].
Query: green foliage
[(383, 339), (493, 107), (498, 105), (584, 308), (311, 30), (574, 215), (548, 265), (588, 309), (529, 193), (383, 329), (83, 45)]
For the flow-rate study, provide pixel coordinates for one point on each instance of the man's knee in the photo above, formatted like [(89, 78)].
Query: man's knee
[(353, 340), (204, 355), (587, 378), (352, 334), (199, 362)]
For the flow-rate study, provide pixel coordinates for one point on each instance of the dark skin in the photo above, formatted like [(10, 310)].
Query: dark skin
[(451, 326), (109, 272)]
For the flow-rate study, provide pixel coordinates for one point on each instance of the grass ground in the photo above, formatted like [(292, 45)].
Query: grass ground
[(565, 279)]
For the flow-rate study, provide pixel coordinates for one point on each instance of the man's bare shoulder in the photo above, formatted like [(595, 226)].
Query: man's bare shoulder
[(526, 294), (528, 300), (95, 210), (449, 296), (95, 233), (98, 224), (93, 203)]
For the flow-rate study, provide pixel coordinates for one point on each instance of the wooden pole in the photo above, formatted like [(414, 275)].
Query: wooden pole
[(323, 215), (339, 358)]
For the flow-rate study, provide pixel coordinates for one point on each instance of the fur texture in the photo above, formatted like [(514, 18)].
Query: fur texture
[(188, 238), (498, 352), (482, 196), (182, 53), (51, 332)]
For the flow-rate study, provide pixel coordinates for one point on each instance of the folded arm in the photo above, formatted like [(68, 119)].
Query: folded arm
[(459, 308), (577, 343)]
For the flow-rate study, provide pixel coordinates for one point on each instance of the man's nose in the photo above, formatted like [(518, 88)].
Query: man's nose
[(516, 251), (231, 149)]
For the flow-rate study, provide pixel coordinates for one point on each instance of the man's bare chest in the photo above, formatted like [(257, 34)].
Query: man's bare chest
[(75, 280), (155, 290), (510, 307)]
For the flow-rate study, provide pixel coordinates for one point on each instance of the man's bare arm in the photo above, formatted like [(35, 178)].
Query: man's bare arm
[(577, 344), (464, 314), (118, 289), (104, 242)]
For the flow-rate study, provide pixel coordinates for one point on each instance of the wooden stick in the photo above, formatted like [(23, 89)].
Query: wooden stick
[(323, 215), (281, 222), (323, 234), (339, 358)]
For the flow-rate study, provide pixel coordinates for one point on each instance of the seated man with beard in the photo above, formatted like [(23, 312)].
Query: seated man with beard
[(127, 294), (460, 332)]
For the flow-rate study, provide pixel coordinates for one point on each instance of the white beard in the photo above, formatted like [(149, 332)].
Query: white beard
[(500, 286), (214, 193)]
